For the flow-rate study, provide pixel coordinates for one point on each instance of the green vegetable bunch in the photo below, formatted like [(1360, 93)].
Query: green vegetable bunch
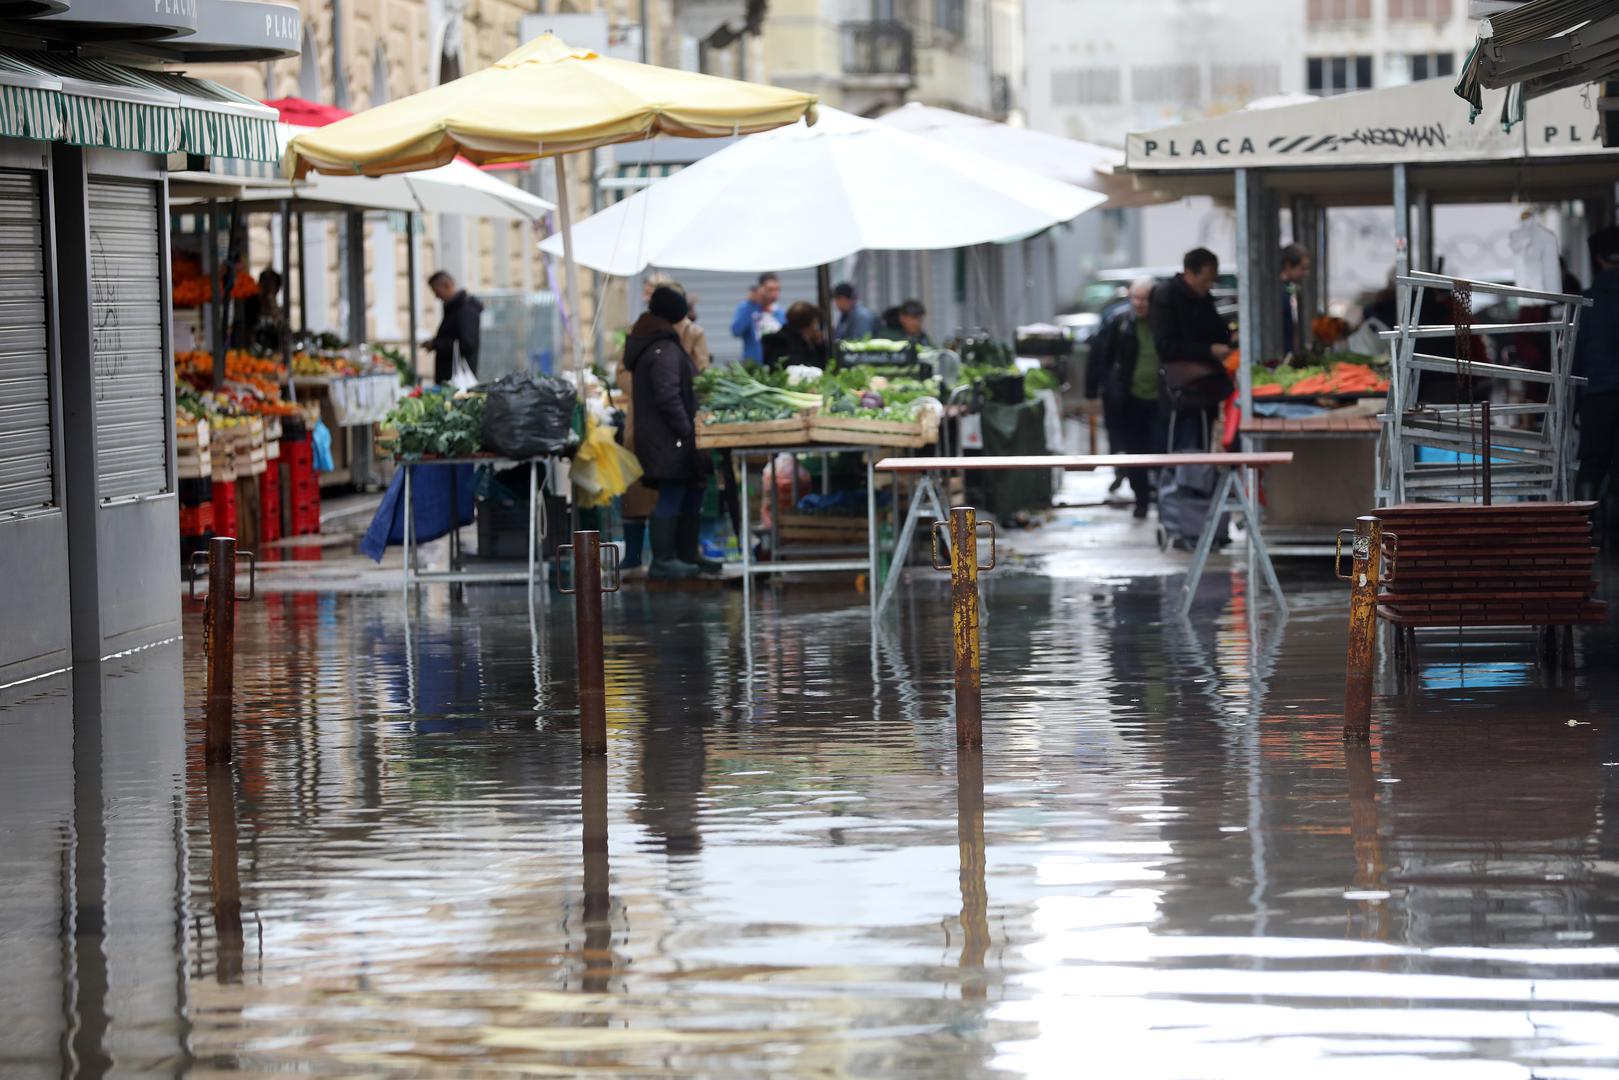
[(438, 423), (734, 394)]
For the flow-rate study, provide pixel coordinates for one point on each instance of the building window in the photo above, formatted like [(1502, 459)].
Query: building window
[(1430, 66), (1334, 12), (1325, 76), (1244, 82), (1085, 86), (1167, 84), (951, 16), (1434, 11)]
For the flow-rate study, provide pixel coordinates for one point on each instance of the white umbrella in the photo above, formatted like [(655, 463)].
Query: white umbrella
[(457, 188), (801, 196), (1087, 165)]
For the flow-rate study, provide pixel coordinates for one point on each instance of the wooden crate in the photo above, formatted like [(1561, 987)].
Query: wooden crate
[(192, 436), (822, 529), (859, 431), (790, 432)]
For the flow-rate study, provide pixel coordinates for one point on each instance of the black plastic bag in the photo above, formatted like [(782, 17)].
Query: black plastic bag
[(528, 418)]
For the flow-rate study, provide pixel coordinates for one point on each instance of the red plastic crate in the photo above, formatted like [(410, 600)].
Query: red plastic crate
[(197, 520), (270, 505), (225, 509)]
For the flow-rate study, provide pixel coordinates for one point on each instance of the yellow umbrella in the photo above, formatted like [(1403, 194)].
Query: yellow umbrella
[(543, 100)]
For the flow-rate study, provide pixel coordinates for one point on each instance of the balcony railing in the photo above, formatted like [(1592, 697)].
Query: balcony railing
[(879, 49)]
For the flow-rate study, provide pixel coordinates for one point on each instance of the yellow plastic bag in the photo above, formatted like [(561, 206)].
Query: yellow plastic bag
[(602, 470)]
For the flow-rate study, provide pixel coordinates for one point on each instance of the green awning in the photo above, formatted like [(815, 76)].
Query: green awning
[(216, 121), (97, 103), (106, 105), (30, 102)]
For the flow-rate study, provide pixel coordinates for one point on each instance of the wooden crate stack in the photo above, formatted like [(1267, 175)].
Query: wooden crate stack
[(1517, 564), (194, 465)]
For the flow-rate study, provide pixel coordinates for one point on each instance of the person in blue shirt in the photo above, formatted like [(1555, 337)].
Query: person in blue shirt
[(757, 316), (856, 321)]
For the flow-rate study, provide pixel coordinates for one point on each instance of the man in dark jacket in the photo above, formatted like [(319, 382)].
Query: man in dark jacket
[(1129, 387), (665, 407), (1596, 357), (1191, 335), (1098, 365), (458, 331)]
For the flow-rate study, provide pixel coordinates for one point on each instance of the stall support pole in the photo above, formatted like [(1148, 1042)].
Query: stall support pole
[(210, 270), (570, 274), (303, 276), (1251, 288), (286, 289), (1361, 659), (823, 289), (1402, 222), (411, 291)]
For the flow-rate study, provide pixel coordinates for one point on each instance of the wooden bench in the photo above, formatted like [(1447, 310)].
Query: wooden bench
[(1524, 564), (1234, 493)]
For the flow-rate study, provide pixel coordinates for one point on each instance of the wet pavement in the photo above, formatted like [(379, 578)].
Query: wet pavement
[(1164, 863)]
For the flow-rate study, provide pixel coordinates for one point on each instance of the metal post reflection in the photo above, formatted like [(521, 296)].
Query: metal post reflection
[(974, 891), (1363, 831), (598, 955), (223, 880)]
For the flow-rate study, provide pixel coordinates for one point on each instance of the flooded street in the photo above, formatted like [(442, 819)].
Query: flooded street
[(1164, 863)]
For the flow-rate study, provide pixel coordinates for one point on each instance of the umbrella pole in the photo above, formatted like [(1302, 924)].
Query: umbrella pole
[(570, 273)]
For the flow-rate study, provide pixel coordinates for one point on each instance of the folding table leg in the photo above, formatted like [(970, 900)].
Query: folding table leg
[(907, 533), (1250, 515), (1205, 541)]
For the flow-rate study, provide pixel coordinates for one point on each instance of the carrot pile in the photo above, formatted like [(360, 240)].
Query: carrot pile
[(1342, 378)]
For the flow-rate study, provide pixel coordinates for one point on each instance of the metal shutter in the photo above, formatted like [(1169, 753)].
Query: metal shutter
[(132, 441), (27, 468)]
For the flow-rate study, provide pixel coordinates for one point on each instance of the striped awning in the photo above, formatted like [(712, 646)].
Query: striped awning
[(29, 101), (216, 121), (1539, 47), (90, 102)]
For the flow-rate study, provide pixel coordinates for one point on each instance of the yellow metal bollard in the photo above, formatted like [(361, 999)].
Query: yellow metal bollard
[(1366, 579), (964, 567)]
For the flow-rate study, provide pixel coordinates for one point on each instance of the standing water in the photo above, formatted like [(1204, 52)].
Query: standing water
[(1163, 863)]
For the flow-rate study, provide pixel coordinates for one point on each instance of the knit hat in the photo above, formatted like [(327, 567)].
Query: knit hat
[(668, 303)]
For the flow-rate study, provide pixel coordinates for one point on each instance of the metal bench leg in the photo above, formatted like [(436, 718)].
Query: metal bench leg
[(1205, 541), (1250, 515)]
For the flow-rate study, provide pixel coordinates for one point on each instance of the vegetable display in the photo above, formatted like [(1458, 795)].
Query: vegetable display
[(1340, 378), (750, 394), (437, 422)]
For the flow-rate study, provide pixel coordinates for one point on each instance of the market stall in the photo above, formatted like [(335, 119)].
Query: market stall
[(1411, 147), (338, 388)]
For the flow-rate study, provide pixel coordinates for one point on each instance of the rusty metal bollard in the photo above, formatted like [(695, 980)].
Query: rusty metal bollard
[(588, 589), (964, 567), (1366, 579), (219, 639)]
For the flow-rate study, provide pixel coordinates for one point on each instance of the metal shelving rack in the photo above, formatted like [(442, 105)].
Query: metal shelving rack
[(1530, 459)]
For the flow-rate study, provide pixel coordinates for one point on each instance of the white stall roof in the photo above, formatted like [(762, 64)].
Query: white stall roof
[(1421, 123)]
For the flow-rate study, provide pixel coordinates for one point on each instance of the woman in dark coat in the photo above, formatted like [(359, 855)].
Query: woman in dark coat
[(665, 406)]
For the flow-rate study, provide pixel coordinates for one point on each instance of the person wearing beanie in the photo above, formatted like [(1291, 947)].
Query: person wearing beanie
[(664, 402)]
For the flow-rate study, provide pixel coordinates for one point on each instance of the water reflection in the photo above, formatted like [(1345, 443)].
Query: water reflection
[(784, 866)]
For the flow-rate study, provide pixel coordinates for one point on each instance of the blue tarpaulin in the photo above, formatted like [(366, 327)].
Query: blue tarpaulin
[(435, 489)]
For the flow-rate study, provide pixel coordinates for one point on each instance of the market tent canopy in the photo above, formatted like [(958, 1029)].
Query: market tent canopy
[(456, 188), (1539, 47), (807, 196), (1415, 124), (1082, 164), (541, 100)]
